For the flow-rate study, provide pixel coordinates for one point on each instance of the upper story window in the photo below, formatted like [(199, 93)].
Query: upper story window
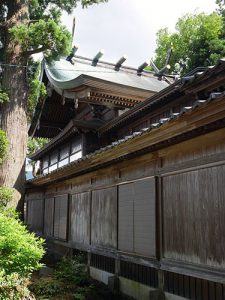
[(76, 150), (62, 156)]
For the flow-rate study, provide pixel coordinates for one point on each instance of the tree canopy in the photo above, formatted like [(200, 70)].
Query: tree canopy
[(27, 28), (197, 42)]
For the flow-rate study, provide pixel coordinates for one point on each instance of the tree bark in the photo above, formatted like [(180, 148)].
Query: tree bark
[(14, 119)]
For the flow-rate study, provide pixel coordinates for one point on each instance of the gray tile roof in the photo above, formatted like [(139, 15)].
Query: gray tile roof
[(143, 131)]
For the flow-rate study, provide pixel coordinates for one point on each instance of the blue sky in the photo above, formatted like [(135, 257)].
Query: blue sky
[(128, 26)]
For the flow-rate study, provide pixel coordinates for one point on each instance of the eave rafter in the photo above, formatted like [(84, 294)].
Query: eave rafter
[(99, 97)]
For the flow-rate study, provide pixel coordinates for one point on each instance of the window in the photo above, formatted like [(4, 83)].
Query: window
[(59, 158), (64, 151), (76, 150), (53, 157), (45, 162), (136, 220)]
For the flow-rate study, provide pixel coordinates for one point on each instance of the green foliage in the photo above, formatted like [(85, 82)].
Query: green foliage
[(45, 32), (48, 286), (36, 143), (72, 270), (198, 41), (83, 292), (4, 97), (37, 89), (4, 144), (13, 287), (20, 251), (6, 195), (68, 275), (48, 37)]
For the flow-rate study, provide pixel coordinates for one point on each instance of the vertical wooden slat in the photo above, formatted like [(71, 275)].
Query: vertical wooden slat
[(144, 217), (80, 218), (104, 218), (219, 291), (48, 218), (187, 293), (35, 215), (192, 288), (198, 289), (125, 218), (205, 290), (61, 217), (212, 290)]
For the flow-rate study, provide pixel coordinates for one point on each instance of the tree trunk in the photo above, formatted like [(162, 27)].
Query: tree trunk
[(13, 119)]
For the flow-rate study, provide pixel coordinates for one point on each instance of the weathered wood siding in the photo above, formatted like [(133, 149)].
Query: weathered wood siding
[(126, 218), (104, 217), (35, 215), (194, 216), (80, 218), (136, 218), (61, 217), (49, 217)]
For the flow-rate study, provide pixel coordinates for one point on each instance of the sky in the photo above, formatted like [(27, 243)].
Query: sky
[(128, 26)]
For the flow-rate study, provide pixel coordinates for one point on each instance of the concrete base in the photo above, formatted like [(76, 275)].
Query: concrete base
[(135, 289), (131, 288), (173, 297), (100, 275)]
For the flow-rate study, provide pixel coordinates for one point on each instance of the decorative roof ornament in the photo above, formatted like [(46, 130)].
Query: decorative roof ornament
[(120, 62), (72, 54), (97, 57)]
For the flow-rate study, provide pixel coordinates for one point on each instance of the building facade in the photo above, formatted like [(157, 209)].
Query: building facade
[(141, 191)]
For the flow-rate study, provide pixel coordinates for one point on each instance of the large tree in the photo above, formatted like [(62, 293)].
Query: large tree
[(197, 42), (26, 28)]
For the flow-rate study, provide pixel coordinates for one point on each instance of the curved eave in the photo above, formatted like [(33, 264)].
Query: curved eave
[(65, 76)]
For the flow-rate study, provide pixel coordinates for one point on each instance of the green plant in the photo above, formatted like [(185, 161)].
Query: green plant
[(35, 143), (4, 97), (72, 270), (3, 145), (6, 195), (20, 251), (82, 292), (47, 287), (13, 287)]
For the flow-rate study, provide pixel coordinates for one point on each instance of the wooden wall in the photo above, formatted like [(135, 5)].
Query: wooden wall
[(165, 206), (80, 218)]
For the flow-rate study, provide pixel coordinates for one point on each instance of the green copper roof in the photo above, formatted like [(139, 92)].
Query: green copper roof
[(64, 75)]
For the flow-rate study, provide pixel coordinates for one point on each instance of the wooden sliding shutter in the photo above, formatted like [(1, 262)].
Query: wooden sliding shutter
[(126, 218), (144, 217), (104, 217), (49, 217), (35, 215), (61, 217), (80, 218), (137, 217)]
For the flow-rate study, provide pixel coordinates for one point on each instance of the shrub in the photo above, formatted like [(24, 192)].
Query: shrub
[(13, 287), (6, 195), (20, 251)]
